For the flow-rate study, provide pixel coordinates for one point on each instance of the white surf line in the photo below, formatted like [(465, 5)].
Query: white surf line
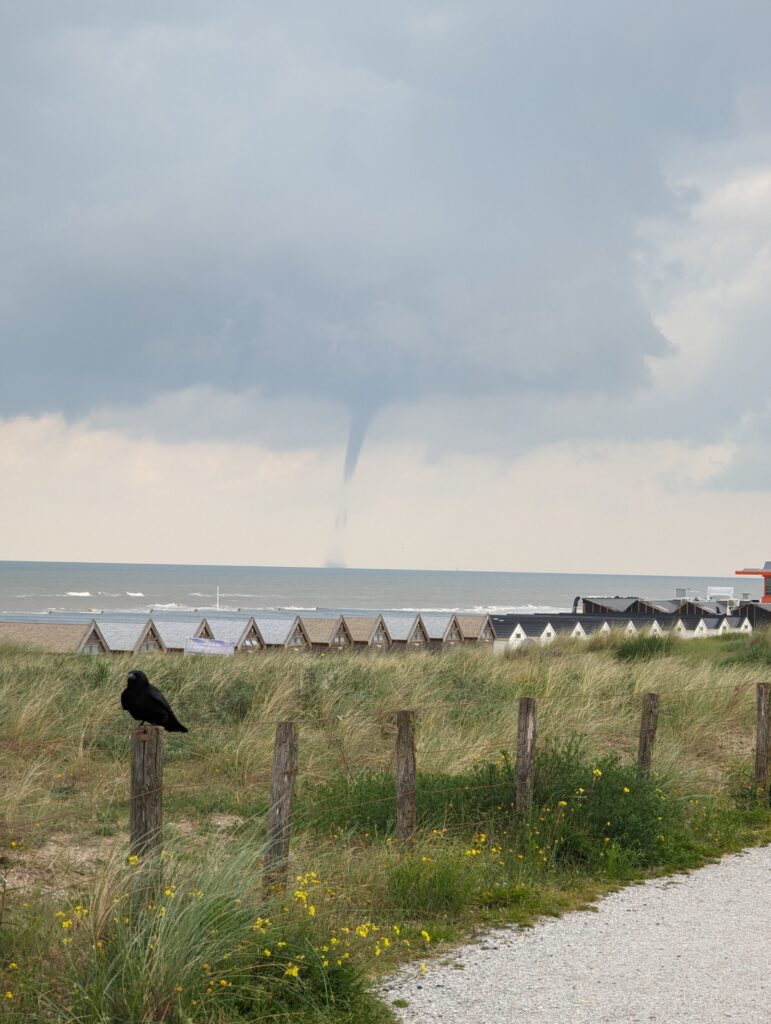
[(686, 949)]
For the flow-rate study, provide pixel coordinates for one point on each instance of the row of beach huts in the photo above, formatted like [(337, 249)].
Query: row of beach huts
[(236, 633)]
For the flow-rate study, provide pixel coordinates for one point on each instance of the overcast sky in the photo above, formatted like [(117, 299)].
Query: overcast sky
[(478, 285)]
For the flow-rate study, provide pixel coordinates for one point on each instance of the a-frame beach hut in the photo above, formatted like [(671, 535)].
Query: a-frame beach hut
[(476, 629), (368, 632), (131, 637), (244, 634), (326, 634)]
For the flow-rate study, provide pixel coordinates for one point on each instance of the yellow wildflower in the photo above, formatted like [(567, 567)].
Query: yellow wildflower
[(596, 773), (425, 936), (292, 971)]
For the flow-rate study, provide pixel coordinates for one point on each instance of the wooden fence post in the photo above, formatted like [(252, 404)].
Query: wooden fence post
[(525, 750), (648, 724), (280, 809), (761, 737), (146, 814), (406, 789)]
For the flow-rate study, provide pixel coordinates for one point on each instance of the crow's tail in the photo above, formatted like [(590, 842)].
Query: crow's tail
[(175, 726)]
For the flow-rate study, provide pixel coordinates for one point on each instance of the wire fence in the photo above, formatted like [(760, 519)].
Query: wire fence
[(258, 792)]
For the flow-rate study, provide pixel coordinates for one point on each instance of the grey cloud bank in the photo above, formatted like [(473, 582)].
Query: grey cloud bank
[(346, 209)]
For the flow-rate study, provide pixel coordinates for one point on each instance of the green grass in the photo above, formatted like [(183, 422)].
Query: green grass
[(595, 822)]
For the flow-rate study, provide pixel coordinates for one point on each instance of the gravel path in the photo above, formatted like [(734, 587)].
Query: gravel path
[(689, 949)]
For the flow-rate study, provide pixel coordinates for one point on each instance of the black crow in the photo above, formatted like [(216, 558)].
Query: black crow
[(147, 704)]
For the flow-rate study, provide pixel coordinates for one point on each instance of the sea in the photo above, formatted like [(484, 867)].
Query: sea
[(42, 587)]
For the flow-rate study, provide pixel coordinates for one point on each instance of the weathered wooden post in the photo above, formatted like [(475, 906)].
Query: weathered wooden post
[(146, 815), (280, 809), (648, 724), (761, 737), (526, 731), (406, 789)]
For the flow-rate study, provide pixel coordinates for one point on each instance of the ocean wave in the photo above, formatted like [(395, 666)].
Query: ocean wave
[(130, 593), (76, 593)]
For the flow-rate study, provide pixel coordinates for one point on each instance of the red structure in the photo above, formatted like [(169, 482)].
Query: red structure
[(765, 572)]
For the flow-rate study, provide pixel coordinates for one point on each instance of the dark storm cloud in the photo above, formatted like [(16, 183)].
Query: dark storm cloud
[(362, 204)]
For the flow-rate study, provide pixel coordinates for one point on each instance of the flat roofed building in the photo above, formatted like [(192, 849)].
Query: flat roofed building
[(125, 637), (55, 637), (368, 631), (176, 632), (244, 634), (326, 634)]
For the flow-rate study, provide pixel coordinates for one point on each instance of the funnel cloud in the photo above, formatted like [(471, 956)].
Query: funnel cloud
[(496, 226)]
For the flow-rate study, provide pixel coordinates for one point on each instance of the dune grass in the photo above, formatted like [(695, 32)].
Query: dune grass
[(359, 901)]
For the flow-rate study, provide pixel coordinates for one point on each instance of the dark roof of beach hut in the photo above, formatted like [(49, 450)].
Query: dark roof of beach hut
[(532, 626)]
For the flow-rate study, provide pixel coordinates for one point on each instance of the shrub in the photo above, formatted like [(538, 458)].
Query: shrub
[(601, 808)]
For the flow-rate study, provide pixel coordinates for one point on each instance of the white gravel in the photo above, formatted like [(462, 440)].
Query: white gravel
[(688, 949)]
